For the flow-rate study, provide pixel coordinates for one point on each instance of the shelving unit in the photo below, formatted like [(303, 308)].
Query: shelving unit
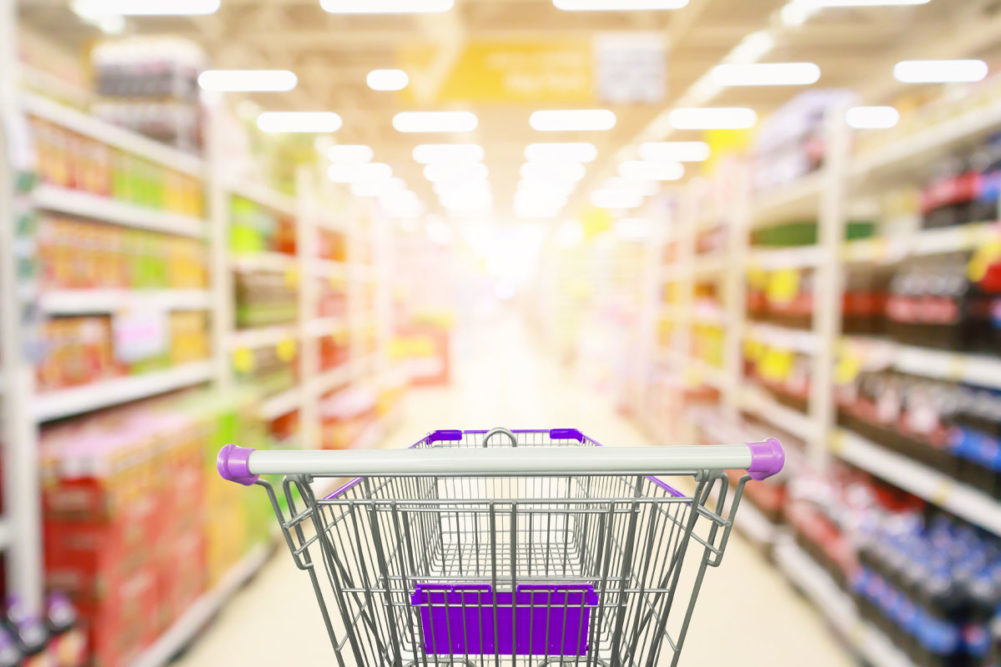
[(25, 409)]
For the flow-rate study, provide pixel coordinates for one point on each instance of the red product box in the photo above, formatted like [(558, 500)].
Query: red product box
[(122, 624)]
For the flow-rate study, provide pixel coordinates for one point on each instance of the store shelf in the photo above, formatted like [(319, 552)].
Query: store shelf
[(130, 142), (66, 402), (333, 378), (798, 257), (752, 523), (798, 340), (326, 268), (921, 243), (265, 196), (325, 326), (187, 627), (263, 336), (917, 150), (281, 404), (908, 474), (797, 197), (713, 263), (708, 314), (78, 302), (759, 403), (265, 261), (836, 606), (975, 369), (105, 209)]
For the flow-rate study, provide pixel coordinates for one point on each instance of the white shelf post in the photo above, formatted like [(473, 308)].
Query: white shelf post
[(220, 275), (309, 356)]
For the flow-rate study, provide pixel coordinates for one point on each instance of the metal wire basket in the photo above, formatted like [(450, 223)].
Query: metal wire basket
[(502, 547)]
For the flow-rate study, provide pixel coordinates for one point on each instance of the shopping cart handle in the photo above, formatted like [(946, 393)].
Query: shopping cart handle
[(759, 459)]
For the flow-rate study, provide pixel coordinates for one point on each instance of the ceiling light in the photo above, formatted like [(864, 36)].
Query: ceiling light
[(350, 153), (387, 79), (859, 3), (570, 151), (651, 171), (615, 199), (386, 6), (751, 48), (766, 74), (299, 121), (572, 120), (872, 118), (633, 229), (357, 173), (675, 151), (93, 8), (428, 153), (247, 80), (442, 171), (378, 187), (642, 187), (529, 212), (939, 71), (713, 118), (561, 188), (554, 171), (617, 5), (435, 121)]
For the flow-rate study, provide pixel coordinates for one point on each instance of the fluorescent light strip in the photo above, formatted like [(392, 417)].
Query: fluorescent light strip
[(940, 71), (766, 74), (94, 8), (651, 171), (642, 187), (452, 153), (633, 229), (615, 199), (386, 6), (555, 171), (358, 173), (617, 5), (441, 171), (435, 121), (572, 120), (858, 3), (299, 121), (350, 153), (247, 80), (872, 118), (675, 151), (713, 118), (387, 79), (571, 151)]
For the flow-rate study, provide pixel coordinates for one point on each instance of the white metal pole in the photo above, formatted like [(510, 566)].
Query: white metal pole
[(828, 281), (306, 244), (220, 274), (735, 287), (22, 500)]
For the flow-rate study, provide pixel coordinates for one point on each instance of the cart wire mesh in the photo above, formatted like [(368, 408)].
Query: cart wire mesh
[(507, 570)]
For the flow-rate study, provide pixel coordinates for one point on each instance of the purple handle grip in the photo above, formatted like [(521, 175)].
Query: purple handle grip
[(232, 464), (767, 458)]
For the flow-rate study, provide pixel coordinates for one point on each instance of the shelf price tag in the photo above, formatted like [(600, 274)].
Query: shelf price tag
[(286, 349), (940, 494), (244, 360)]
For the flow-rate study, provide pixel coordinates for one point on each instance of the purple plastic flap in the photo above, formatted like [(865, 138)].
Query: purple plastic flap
[(443, 435), (566, 434), (537, 619)]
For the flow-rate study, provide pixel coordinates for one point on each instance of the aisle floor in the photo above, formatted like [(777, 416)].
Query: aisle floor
[(747, 614)]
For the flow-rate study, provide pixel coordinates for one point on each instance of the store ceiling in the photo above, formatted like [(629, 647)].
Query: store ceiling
[(331, 54)]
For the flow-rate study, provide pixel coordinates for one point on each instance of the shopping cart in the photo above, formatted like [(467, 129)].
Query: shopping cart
[(506, 547)]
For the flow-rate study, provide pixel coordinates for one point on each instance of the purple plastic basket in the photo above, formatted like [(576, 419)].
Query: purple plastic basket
[(471, 619)]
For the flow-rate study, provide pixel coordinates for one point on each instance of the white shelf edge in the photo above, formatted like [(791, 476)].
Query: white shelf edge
[(265, 196), (920, 243), (323, 326), (117, 137), (836, 606), (105, 209), (711, 263), (799, 191), (80, 301), (976, 369), (328, 268), (332, 379), (756, 401), (194, 619), (798, 340), (933, 486), (264, 261), (795, 257), (67, 402), (281, 404), (263, 336)]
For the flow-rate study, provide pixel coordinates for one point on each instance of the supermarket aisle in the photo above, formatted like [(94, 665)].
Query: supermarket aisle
[(503, 379)]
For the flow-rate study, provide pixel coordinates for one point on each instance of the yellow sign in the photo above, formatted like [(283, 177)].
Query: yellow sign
[(557, 71)]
